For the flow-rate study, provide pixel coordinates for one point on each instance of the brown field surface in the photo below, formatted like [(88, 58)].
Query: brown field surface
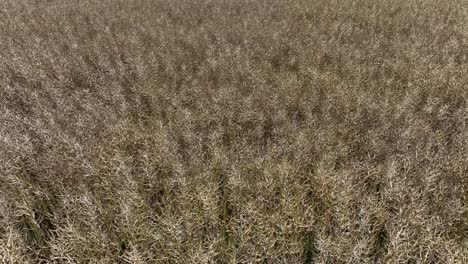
[(234, 131)]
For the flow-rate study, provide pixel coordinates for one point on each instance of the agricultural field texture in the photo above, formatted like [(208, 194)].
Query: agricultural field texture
[(234, 131)]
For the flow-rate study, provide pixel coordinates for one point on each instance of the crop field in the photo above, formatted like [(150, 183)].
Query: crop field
[(234, 131)]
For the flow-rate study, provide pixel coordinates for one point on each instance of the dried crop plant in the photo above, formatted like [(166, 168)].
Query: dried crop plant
[(222, 131)]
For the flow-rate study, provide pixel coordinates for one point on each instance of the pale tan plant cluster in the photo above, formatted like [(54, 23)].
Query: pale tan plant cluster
[(233, 131)]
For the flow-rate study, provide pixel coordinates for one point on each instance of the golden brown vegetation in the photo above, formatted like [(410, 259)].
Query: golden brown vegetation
[(222, 131)]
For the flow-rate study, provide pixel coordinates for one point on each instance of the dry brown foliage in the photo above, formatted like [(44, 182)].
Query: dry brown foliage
[(222, 131)]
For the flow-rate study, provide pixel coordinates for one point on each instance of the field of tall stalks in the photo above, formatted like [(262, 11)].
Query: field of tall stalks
[(234, 131)]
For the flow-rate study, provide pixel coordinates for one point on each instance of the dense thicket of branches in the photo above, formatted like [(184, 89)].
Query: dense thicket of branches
[(220, 131)]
